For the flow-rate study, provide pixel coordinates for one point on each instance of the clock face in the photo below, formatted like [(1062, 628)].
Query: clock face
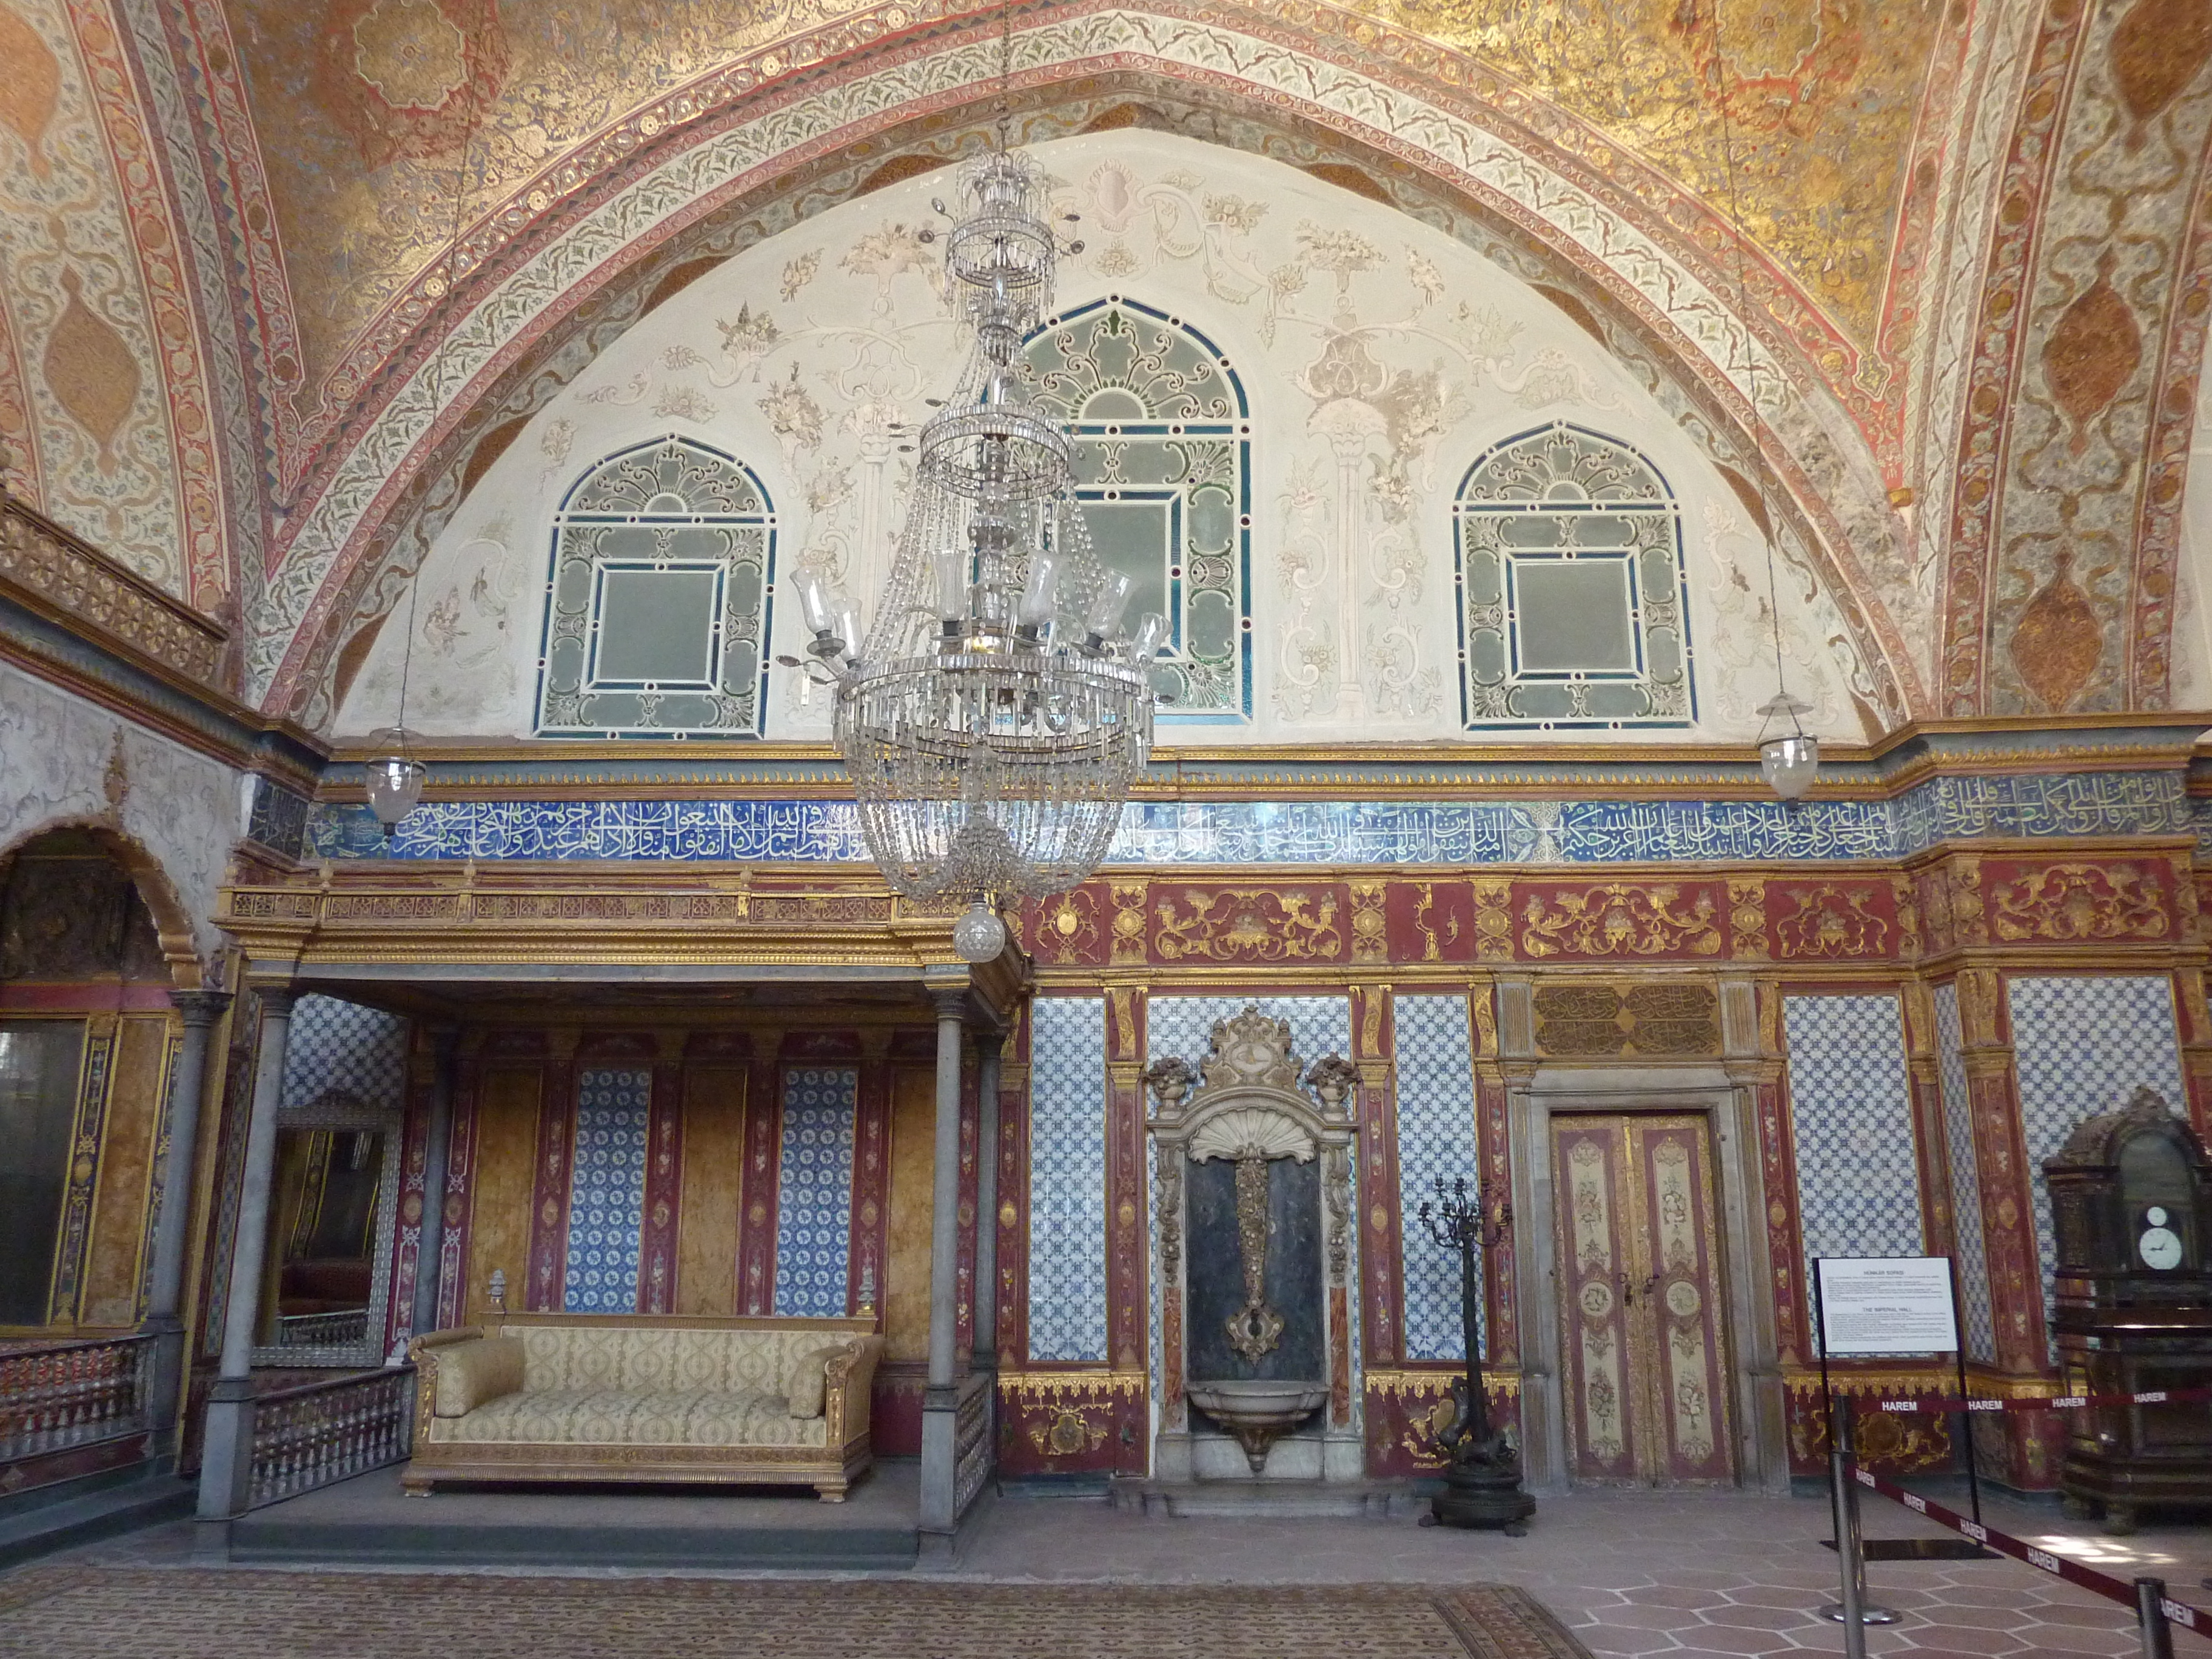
[(2160, 1248)]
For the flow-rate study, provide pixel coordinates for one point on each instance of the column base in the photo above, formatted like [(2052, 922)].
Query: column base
[(226, 1457)]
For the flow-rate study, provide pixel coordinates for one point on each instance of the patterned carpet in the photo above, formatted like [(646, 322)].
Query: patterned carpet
[(63, 1612)]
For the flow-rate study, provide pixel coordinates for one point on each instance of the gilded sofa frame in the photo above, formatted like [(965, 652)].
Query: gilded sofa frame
[(830, 1469)]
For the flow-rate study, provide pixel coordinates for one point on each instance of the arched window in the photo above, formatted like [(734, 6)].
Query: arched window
[(1574, 610), (657, 609), (1164, 470)]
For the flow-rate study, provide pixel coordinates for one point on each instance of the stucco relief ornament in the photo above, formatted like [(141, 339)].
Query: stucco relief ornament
[(996, 713)]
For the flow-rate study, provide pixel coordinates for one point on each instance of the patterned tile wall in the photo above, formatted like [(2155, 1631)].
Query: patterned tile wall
[(814, 1191), (606, 1189), (1973, 1258), (1851, 1113), (1459, 831), (2083, 1045), (1067, 1180), (342, 1048), (1436, 1137), (1184, 1025)]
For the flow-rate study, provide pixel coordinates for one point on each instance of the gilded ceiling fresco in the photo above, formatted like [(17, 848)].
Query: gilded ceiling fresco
[(364, 107)]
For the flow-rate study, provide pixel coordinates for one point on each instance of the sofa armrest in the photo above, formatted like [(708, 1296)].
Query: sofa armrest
[(845, 1398), (423, 1351)]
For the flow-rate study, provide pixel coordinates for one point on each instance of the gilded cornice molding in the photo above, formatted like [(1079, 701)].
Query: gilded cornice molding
[(45, 569)]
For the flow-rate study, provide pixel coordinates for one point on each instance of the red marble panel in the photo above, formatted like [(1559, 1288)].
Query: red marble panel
[(1896, 1443), (1404, 1410), (1076, 1424)]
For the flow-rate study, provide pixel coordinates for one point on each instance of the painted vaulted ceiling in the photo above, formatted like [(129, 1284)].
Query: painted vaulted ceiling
[(1925, 276)]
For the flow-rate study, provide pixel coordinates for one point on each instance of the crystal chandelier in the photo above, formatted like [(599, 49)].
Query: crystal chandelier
[(997, 714)]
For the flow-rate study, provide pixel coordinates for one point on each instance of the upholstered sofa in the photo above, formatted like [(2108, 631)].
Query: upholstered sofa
[(534, 1397)]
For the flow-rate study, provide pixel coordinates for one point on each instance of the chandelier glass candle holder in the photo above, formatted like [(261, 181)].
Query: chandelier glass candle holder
[(998, 712)]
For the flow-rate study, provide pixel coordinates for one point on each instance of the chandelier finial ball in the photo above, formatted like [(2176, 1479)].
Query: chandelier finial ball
[(979, 936)]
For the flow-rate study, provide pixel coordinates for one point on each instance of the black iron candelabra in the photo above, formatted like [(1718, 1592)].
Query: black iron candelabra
[(1482, 1470)]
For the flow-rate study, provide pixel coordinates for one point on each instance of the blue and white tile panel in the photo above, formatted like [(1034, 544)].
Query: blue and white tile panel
[(1436, 1138), (814, 1190), (1850, 1116), (342, 1049), (1973, 1256), (2082, 1045), (1067, 1180), (607, 1189), (1183, 1026), (1317, 832)]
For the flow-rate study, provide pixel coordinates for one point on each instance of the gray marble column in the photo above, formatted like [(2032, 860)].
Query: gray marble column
[(940, 1399), (165, 1290), (226, 1459), (446, 1045), (987, 1204)]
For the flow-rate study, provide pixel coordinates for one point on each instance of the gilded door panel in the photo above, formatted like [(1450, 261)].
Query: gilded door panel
[(1641, 1342), (1593, 1320), (1693, 1444)]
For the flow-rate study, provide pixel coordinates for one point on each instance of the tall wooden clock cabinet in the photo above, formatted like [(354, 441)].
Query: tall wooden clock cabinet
[(2131, 1202)]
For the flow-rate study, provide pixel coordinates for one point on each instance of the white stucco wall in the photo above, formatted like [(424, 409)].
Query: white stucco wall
[(1277, 269), (56, 754)]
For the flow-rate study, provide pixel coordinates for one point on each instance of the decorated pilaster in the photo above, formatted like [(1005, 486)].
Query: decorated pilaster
[(1128, 1284), (664, 1176), (171, 1202), (226, 1452), (872, 1178), (548, 1199), (2013, 1450), (764, 1138)]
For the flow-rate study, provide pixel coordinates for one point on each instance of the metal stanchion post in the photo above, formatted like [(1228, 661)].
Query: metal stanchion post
[(2157, 1634), (1852, 1610)]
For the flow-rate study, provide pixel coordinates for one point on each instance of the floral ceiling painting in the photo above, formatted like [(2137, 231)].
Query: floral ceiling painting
[(1374, 360)]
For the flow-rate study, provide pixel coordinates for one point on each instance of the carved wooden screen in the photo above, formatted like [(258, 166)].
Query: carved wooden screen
[(1164, 469), (1641, 1332)]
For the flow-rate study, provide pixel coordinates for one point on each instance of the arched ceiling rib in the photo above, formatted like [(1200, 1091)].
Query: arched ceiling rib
[(1652, 257)]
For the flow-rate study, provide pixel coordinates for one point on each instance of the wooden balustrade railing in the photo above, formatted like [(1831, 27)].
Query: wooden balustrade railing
[(62, 1394), (321, 1433)]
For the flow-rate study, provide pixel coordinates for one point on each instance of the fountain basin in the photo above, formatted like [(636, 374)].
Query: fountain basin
[(1258, 1411)]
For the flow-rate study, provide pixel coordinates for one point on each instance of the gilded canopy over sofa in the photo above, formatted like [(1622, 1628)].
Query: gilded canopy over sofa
[(645, 1397)]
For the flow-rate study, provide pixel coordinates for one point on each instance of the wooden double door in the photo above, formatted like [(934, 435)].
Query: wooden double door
[(1642, 1332)]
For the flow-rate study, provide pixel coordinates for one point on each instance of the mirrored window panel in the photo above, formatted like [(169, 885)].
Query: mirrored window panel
[(657, 610), (320, 1263), (1573, 603), (1164, 470)]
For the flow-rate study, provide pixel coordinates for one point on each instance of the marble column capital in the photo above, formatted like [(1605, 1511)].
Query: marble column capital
[(200, 1009)]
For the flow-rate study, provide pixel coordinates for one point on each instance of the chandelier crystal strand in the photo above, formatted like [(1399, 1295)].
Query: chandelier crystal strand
[(996, 717)]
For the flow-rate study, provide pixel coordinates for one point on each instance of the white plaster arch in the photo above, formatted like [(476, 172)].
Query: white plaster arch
[(1843, 493), (65, 762), (796, 354)]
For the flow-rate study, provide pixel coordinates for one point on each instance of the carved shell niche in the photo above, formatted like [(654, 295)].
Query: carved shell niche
[(1251, 1131)]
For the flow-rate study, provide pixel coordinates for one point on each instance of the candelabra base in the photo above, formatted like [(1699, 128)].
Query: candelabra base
[(1482, 1493)]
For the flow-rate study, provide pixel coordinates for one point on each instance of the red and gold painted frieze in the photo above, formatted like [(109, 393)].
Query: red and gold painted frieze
[(1945, 901)]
